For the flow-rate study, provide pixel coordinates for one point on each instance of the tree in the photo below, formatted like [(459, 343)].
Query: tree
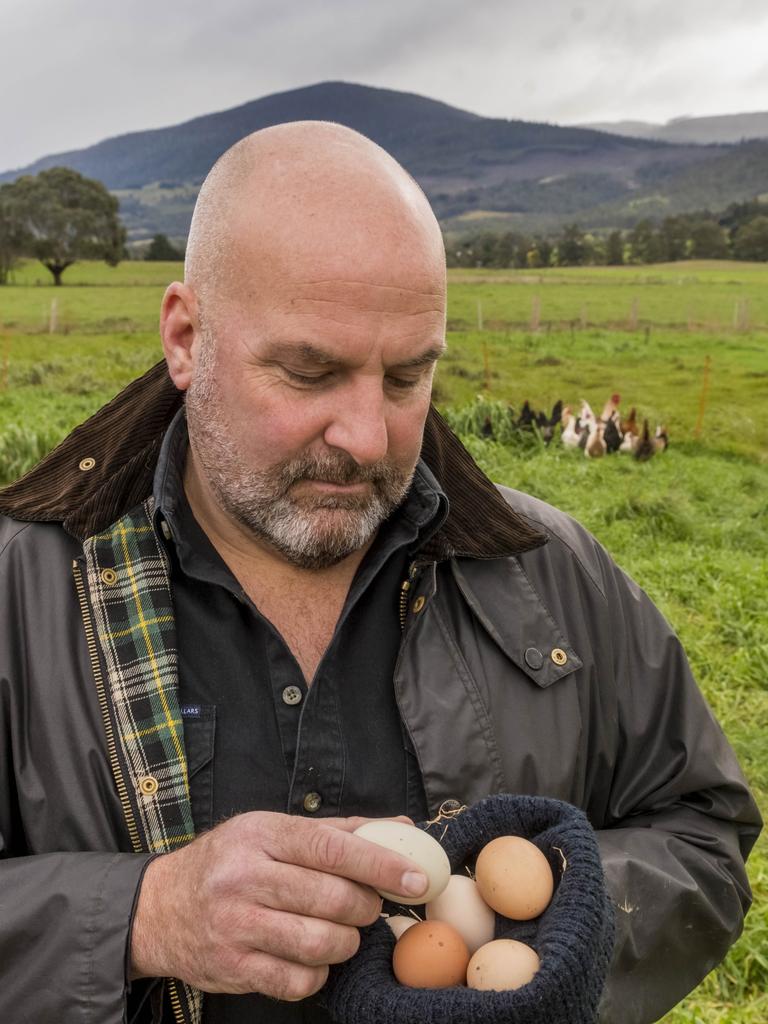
[(571, 247), (673, 238), (751, 240), (161, 248), (644, 243), (63, 217), (10, 234), (614, 249), (709, 241)]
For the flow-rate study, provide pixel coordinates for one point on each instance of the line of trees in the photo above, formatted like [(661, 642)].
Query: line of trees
[(740, 233), (58, 217)]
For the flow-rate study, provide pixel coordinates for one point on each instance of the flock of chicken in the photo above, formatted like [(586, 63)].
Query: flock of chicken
[(597, 435)]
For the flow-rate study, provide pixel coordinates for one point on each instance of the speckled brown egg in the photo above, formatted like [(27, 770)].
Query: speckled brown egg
[(431, 954), (502, 965)]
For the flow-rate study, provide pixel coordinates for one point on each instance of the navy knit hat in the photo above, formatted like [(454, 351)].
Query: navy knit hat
[(573, 936)]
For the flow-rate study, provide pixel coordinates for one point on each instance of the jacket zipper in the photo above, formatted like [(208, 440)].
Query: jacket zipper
[(173, 992), (117, 772), (90, 639), (405, 588)]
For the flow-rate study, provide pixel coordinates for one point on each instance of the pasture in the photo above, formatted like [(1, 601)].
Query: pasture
[(690, 525)]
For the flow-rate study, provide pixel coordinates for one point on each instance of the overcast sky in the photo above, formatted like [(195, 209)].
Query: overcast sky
[(73, 72)]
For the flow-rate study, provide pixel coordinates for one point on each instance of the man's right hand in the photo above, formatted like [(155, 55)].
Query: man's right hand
[(263, 903)]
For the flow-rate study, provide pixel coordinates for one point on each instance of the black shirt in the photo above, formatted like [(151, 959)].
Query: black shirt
[(257, 737)]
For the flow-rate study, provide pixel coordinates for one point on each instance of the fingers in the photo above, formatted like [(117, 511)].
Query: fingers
[(330, 849), (299, 890), (266, 974), (304, 940)]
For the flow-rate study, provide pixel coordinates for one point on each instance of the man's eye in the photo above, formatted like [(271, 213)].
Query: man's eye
[(305, 379), (403, 383)]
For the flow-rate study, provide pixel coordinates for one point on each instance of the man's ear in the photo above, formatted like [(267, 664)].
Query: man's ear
[(179, 330)]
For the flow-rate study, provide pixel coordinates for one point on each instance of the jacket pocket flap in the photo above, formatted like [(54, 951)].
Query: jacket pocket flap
[(531, 638), (199, 734)]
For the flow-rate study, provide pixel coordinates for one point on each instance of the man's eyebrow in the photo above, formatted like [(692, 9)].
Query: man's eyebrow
[(430, 356), (307, 353), (303, 351)]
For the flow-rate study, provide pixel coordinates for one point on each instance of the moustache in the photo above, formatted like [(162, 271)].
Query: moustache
[(334, 469)]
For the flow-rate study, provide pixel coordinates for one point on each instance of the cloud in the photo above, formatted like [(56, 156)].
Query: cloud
[(82, 70)]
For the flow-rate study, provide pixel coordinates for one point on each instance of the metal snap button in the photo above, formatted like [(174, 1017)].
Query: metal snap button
[(292, 695), (86, 464), (148, 785), (108, 576), (533, 658), (418, 604), (559, 656), (312, 802)]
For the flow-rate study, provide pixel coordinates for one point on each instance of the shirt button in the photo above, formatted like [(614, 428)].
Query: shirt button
[(312, 802), (292, 695), (559, 656)]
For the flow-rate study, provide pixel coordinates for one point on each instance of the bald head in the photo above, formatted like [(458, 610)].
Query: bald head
[(307, 192)]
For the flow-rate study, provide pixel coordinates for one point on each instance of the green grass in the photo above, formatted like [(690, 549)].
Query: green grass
[(704, 294), (690, 525)]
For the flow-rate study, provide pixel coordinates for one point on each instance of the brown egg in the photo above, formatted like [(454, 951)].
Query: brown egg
[(502, 965), (431, 954), (514, 877)]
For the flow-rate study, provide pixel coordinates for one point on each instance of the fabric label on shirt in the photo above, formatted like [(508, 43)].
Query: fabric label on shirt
[(191, 710)]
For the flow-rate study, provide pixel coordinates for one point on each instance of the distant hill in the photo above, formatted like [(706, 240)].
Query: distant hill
[(722, 128), (507, 172)]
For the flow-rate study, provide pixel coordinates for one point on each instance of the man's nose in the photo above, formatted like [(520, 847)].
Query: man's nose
[(358, 425)]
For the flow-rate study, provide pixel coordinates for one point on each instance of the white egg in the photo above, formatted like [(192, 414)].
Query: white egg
[(461, 905), (417, 846), (399, 923)]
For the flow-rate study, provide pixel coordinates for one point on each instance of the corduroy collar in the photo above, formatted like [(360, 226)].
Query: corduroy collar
[(105, 467)]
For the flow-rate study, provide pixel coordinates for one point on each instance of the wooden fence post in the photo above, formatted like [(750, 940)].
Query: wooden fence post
[(535, 313)]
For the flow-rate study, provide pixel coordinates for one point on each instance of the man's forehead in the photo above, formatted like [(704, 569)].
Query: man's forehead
[(398, 294)]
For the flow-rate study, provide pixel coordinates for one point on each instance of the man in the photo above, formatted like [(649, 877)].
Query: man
[(294, 600)]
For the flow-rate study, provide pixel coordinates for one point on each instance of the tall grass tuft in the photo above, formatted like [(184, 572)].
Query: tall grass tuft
[(21, 448), (490, 418)]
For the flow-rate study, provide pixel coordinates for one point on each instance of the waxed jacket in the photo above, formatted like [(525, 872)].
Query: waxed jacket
[(529, 663)]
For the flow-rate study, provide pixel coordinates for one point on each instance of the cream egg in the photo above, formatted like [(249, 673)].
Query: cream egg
[(502, 965), (399, 923), (461, 905), (418, 847), (514, 877)]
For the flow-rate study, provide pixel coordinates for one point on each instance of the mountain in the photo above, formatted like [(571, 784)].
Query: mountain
[(511, 173), (722, 128)]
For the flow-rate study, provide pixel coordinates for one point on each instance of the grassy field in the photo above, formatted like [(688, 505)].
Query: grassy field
[(690, 525)]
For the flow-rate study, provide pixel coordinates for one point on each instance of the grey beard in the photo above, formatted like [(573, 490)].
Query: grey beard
[(305, 537)]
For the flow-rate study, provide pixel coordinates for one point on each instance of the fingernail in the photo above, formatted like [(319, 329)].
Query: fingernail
[(414, 883)]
